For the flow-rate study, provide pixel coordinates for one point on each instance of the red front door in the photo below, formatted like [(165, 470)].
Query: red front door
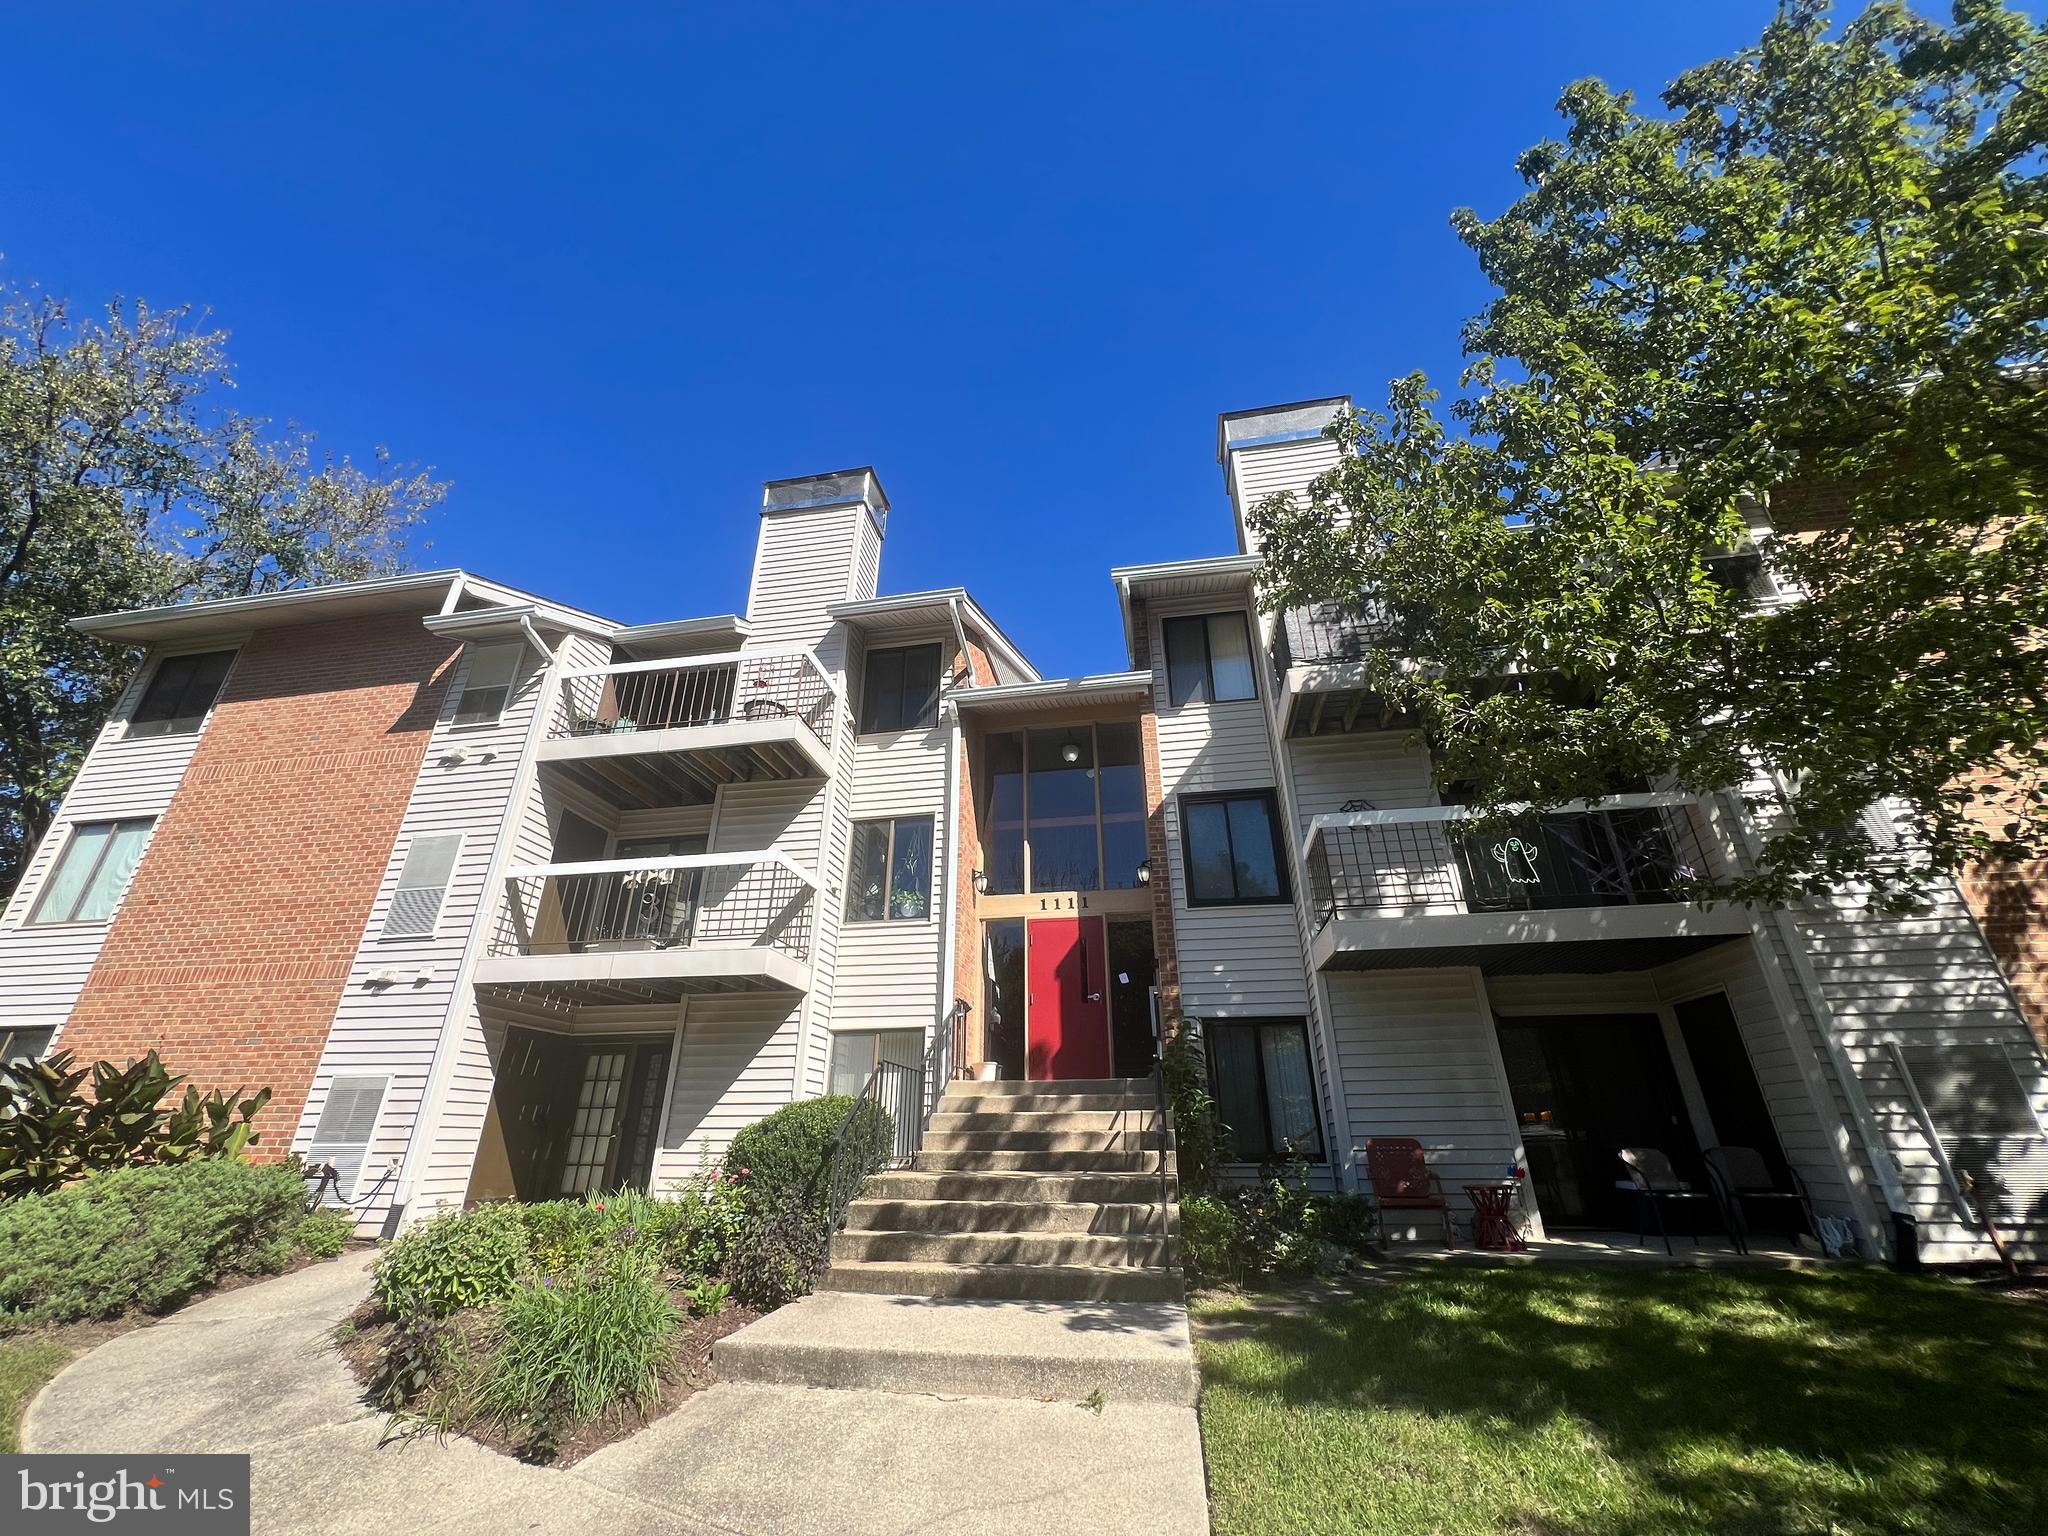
[(1066, 1014)]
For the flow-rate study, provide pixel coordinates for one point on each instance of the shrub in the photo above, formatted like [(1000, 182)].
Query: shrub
[(1349, 1221), (144, 1238), (52, 1130), (323, 1233), (574, 1347), (459, 1259), (783, 1158), (777, 1257), (1211, 1242), (1198, 1134)]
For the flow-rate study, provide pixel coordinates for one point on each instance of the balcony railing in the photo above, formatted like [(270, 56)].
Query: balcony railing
[(1630, 850), (1330, 634), (781, 684), (690, 901)]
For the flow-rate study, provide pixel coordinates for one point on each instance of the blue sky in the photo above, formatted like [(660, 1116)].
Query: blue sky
[(609, 268)]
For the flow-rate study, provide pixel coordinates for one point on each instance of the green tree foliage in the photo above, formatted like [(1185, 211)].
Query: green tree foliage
[(124, 483), (1822, 263)]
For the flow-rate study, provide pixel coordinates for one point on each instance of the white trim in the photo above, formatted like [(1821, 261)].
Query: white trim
[(674, 861), (722, 658)]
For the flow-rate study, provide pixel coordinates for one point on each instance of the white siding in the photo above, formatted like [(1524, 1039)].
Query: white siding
[(43, 966), (452, 1127), (803, 563), (737, 1063), (1418, 1057), (888, 972), (1256, 473), (1241, 961), (394, 1030)]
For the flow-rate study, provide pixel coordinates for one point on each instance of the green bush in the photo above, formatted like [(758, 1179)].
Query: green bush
[(1198, 1133), (1349, 1221), (144, 1238), (574, 1347), (782, 1159), (323, 1233), (778, 1256), (459, 1259), (1211, 1242)]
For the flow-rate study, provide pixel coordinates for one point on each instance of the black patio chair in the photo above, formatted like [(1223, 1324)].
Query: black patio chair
[(1657, 1185), (1741, 1175)]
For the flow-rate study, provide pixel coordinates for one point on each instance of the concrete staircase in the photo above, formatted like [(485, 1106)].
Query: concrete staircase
[(1025, 1192)]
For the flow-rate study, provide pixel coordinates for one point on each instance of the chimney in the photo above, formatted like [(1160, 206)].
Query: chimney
[(820, 543), (1274, 448)]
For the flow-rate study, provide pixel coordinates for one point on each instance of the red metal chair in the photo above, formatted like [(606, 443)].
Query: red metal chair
[(1403, 1181)]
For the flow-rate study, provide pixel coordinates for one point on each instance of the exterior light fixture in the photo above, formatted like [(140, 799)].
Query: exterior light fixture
[(1144, 871), (981, 882), (1070, 751)]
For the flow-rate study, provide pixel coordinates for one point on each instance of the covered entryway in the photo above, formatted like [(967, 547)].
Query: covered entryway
[(571, 1114)]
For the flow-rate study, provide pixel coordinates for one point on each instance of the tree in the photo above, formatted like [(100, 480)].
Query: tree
[(1821, 265), (124, 484)]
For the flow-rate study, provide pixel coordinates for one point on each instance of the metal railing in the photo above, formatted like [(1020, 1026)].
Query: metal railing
[(758, 900), (1324, 634), (1628, 850), (897, 1090), (769, 684)]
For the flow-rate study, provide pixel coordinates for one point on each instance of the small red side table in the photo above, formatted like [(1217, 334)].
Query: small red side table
[(1493, 1222)]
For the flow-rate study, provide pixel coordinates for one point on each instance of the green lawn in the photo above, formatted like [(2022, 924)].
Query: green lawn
[(1546, 1402), (25, 1364)]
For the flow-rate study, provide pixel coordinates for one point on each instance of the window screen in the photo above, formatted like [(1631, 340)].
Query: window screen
[(493, 670), (422, 883), (180, 693), (93, 871), (347, 1121)]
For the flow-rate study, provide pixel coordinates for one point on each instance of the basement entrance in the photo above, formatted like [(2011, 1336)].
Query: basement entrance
[(571, 1114)]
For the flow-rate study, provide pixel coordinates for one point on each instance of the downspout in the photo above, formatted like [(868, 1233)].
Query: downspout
[(1881, 1160)]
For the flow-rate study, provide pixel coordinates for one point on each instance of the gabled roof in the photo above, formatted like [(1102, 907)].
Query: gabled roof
[(1222, 575), (933, 610), (1058, 693)]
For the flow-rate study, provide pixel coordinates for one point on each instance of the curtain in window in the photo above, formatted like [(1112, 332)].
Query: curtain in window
[(1290, 1101), (123, 851), (1234, 1069)]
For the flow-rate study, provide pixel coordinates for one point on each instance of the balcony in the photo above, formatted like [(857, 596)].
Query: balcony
[(640, 930), (1317, 653), (669, 732), (1581, 889)]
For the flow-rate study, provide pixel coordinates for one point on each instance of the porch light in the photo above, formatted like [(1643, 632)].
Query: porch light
[(1144, 871), (1070, 751), (981, 882)]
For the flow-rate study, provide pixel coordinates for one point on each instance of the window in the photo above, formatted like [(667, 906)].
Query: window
[(889, 875), (900, 689), (1084, 818), (93, 871), (18, 1047), (422, 882), (179, 695), (1209, 659), (1264, 1092), (856, 1054), (1231, 846), (493, 670), (342, 1136)]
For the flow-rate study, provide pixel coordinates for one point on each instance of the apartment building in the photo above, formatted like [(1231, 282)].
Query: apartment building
[(506, 899)]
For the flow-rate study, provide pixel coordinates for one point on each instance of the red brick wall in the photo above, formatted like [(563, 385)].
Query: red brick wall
[(230, 953), (2011, 901)]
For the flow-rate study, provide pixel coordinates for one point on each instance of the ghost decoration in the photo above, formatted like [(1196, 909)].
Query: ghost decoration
[(1518, 860)]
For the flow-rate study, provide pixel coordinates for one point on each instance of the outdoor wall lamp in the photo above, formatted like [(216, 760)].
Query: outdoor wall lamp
[(981, 882), (1144, 871)]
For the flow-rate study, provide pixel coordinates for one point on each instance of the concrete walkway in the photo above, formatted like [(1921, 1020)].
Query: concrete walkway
[(250, 1371)]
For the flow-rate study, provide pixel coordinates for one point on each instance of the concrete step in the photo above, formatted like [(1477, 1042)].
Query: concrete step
[(1129, 1351), (980, 1160), (964, 1099), (1100, 1120), (1013, 1187), (1094, 1216), (1021, 1140), (1122, 1087), (1016, 1282), (1053, 1248)]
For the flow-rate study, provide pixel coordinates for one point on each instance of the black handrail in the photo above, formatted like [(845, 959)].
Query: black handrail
[(1159, 1102), (847, 1163)]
